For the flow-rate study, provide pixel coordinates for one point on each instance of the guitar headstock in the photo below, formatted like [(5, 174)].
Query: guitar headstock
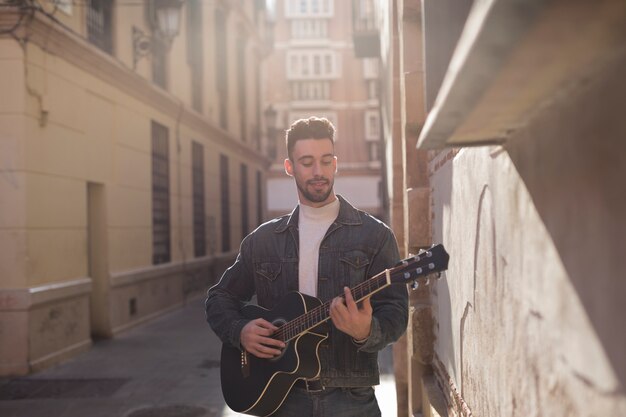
[(430, 261)]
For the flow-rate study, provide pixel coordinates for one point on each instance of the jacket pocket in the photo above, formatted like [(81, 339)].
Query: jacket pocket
[(268, 270), (270, 286), (355, 265)]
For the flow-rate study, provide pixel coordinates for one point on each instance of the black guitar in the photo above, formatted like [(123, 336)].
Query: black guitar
[(259, 386)]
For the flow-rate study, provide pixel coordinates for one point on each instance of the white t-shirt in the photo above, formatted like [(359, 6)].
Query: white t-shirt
[(313, 222)]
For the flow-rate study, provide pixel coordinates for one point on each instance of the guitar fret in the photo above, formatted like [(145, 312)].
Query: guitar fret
[(321, 313)]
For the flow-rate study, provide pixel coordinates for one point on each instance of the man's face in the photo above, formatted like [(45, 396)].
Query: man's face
[(313, 167)]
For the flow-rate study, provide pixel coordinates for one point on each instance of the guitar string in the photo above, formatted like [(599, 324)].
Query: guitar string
[(320, 313)]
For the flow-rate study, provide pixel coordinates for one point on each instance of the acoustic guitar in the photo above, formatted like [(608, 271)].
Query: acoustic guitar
[(259, 386)]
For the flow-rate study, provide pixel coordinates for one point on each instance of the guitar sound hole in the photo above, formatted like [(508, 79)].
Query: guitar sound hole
[(278, 323)]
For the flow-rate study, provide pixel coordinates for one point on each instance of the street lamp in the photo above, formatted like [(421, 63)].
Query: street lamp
[(166, 19), (270, 115)]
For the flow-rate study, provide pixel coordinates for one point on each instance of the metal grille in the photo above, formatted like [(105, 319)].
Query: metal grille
[(199, 224), (160, 194), (241, 83), (99, 24), (175, 410), (225, 192), (22, 389), (245, 223)]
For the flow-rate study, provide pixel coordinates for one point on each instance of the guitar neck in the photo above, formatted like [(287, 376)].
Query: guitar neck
[(321, 313)]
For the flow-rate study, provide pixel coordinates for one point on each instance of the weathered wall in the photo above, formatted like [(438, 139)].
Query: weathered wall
[(76, 174), (531, 310)]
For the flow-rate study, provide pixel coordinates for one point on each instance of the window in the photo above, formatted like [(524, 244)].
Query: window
[(241, 83), (364, 16), (99, 16), (245, 223), (195, 50), (315, 6), (259, 197), (310, 90), (64, 5), (160, 194), (225, 202), (309, 28), (199, 225), (221, 62), (372, 89), (373, 151), (370, 68), (328, 64), (257, 111), (372, 125), (308, 8), (313, 64)]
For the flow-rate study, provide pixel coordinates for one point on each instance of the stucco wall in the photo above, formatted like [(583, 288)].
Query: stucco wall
[(530, 313), (76, 173)]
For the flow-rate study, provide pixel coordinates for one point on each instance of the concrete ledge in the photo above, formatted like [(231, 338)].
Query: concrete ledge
[(131, 277), (144, 319), (512, 58), (24, 299)]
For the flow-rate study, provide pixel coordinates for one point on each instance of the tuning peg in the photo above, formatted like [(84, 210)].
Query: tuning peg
[(427, 281), (438, 276), (415, 285)]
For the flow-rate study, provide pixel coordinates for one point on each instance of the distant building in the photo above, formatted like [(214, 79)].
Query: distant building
[(314, 71), (130, 164)]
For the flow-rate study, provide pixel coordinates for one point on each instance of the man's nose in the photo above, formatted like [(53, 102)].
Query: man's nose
[(317, 168)]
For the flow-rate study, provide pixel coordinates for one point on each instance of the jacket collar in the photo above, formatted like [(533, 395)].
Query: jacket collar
[(348, 215)]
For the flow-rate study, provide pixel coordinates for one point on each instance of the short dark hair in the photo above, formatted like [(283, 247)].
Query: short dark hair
[(311, 128)]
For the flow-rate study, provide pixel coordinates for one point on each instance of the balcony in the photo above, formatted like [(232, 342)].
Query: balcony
[(366, 36)]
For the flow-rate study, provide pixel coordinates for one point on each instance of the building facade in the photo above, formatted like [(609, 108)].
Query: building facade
[(314, 71), (505, 130), (130, 164)]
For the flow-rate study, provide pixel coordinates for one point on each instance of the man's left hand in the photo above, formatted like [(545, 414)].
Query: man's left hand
[(351, 319)]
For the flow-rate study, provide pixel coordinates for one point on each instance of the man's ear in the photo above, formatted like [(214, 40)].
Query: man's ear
[(288, 167)]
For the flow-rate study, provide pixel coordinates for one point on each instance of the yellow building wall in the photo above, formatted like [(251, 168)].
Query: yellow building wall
[(75, 128)]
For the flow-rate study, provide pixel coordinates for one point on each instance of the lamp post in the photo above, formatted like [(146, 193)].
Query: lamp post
[(166, 21), (270, 115)]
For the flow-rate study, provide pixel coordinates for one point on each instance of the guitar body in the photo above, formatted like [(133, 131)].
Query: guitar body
[(260, 386)]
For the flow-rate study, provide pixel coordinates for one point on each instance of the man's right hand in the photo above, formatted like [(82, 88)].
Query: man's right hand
[(255, 339)]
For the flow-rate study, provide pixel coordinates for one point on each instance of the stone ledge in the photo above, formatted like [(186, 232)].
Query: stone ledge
[(24, 299), (134, 276)]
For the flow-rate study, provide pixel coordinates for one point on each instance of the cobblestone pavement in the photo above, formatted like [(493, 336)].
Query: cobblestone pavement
[(166, 368)]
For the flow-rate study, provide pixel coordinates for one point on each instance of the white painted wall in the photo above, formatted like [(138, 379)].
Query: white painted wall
[(530, 311)]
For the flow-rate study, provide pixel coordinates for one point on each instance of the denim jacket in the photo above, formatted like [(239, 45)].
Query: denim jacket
[(356, 247)]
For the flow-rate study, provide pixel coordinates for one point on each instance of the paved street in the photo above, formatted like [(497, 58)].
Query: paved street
[(166, 368)]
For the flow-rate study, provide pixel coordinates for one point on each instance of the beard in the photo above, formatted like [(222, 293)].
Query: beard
[(315, 197)]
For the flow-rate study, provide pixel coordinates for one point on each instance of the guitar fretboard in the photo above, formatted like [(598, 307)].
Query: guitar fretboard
[(321, 313)]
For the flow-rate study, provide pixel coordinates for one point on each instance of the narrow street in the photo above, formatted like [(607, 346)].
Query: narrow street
[(166, 368)]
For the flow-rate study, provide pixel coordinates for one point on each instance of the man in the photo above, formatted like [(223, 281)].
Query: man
[(323, 248)]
